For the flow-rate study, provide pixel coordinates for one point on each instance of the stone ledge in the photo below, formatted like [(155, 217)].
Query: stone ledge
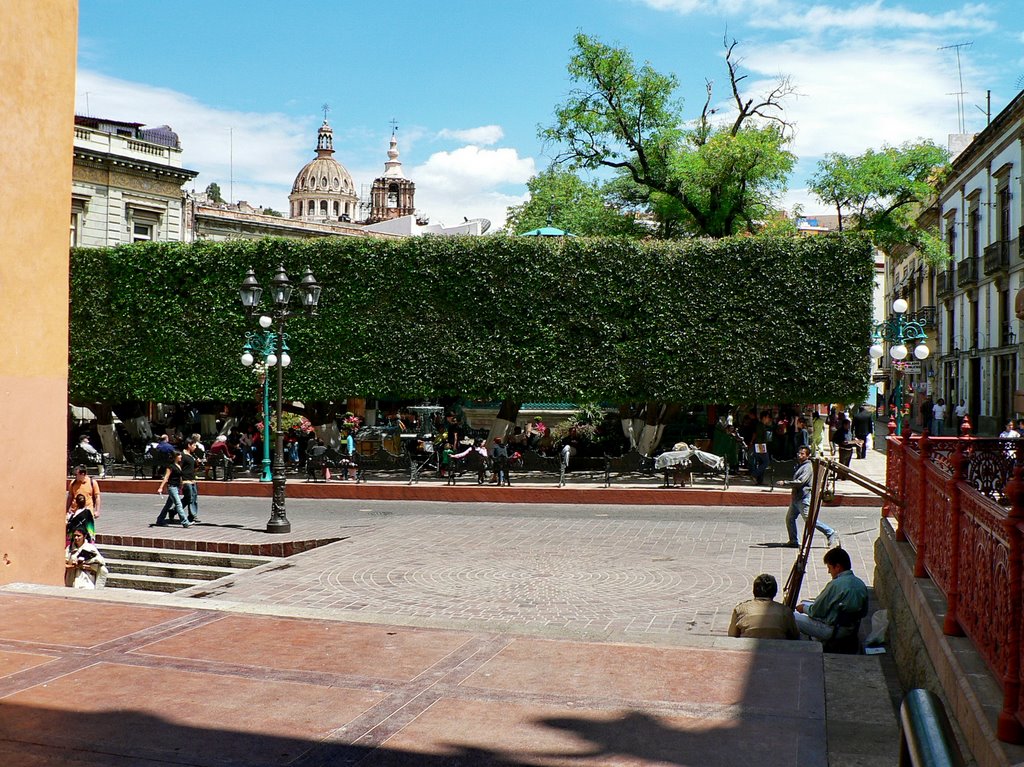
[(948, 666)]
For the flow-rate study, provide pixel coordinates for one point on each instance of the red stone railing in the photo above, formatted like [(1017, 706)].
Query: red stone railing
[(963, 513)]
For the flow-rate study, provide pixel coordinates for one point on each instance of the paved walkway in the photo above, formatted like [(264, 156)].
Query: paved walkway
[(93, 683), (439, 633)]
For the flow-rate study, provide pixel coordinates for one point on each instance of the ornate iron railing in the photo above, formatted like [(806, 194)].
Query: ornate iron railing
[(967, 272), (963, 513)]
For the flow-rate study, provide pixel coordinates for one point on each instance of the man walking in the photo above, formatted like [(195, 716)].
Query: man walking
[(844, 594), (189, 486), (800, 503), (863, 425)]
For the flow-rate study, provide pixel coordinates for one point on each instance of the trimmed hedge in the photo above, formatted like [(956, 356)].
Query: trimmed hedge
[(733, 320)]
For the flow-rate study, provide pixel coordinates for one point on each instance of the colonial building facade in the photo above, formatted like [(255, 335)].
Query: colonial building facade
[(978, 293), (126, 183)]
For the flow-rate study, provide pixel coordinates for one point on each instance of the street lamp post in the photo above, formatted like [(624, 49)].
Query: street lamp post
[(897, 331), (263, 344), (276, 350)]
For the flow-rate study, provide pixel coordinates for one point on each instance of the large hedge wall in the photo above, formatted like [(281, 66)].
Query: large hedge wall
[(743, 319)]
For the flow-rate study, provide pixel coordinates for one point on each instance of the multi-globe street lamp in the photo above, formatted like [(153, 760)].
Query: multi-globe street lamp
[(280, 310), (262, 344), (897, 332)]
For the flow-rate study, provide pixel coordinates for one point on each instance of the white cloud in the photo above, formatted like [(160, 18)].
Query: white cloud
[(877, 15), (789, 14), (264, 151), (471, 182), (863, 92), (485, 135)]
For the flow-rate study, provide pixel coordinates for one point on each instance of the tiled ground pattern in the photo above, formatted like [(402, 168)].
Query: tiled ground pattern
[(108, 684)]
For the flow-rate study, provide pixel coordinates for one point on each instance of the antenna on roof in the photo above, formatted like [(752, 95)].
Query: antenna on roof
[(960, 74), (987, 111)]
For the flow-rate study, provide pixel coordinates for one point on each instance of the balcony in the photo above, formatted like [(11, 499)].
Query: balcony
[(997, 256), (926, 315), (944, 283), (967, 272)]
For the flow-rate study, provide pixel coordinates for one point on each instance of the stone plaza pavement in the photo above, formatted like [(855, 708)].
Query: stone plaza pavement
[(442, 634)]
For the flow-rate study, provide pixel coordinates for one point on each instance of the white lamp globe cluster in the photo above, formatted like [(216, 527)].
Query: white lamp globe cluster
[(899, 352)]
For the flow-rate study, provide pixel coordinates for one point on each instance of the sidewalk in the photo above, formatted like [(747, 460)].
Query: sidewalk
[(464, 634), (578, 490), (87, 682)]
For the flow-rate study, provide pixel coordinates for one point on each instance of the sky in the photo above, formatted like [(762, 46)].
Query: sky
[(470, 81)]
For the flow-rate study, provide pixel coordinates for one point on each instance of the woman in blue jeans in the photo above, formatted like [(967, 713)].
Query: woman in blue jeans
[(172, 506)]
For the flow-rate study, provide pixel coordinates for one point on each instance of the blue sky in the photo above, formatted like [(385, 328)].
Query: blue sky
[(469, 82)]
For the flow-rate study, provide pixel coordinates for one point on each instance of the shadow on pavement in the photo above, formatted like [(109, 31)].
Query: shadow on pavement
[(31, 735)]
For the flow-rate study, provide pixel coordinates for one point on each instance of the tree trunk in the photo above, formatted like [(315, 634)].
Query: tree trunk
[(504, 421), (644, 424), (110, 442), (323, 416)]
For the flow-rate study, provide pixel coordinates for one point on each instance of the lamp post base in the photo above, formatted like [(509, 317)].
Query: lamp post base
[(266, 475), (279, 525), (278, 522)]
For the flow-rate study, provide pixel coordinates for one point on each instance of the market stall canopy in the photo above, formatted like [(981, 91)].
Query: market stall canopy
[(547, 231)]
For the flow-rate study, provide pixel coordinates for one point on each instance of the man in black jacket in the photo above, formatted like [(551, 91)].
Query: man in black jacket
[(863, 425)]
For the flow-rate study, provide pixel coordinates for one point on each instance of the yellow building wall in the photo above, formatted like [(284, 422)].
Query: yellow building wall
[(38, 42)]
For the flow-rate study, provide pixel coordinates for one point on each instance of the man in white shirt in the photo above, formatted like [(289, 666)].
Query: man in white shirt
[(960, 411), (938, 416)]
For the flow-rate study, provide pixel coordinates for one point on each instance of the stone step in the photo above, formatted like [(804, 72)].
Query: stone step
[(188, 570), (182, 557), (149, 582)]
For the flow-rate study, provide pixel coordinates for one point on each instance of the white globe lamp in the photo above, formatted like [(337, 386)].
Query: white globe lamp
[(876, 351), (921, 351), (900, 305), (899, 352)]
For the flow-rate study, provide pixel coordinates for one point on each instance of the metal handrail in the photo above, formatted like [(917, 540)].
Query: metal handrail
[(926, 736)]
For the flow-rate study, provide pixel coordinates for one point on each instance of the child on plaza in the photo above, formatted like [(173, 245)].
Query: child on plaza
[(446, 459)]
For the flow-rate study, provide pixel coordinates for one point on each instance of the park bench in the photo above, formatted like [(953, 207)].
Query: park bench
[(148, 465), (318, 463), (92, 463), (381, 461), (632, 463), (780, 471), (530, 462), (220, 461), (689, 463)]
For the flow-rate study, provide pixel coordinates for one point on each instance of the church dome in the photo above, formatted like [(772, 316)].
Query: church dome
[(323, 189), (324, 174)]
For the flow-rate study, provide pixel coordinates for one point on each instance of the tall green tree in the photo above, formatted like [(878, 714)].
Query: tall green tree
[(718, 173), (561, 198), (213, 192), (881, 192)]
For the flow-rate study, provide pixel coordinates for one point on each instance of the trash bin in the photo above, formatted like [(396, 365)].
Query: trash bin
[(845, 455)]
